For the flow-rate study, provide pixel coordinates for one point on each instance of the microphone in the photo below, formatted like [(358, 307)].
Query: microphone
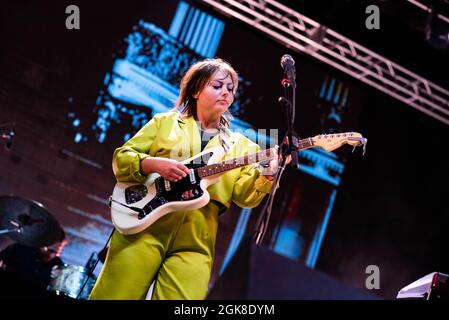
[(9, 138), (288, 65)]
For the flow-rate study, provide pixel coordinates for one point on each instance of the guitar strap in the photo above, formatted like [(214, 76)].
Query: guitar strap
[(224, 137)]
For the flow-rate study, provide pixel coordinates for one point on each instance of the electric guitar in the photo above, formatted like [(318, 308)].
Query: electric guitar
[(134, 206)]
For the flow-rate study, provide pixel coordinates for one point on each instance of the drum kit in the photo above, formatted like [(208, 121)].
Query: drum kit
[(30, 224)]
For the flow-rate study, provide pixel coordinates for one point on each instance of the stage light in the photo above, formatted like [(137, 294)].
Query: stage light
[(436, 29)]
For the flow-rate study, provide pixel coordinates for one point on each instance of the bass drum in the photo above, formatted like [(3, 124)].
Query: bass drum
[(68, 280)]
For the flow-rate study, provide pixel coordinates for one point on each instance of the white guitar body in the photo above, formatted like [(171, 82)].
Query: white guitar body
[(126, 220)]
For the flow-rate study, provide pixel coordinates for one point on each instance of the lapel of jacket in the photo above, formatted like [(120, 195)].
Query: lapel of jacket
[(191, 131)]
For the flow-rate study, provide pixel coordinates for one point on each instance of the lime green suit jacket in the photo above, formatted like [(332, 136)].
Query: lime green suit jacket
[(171, 135)]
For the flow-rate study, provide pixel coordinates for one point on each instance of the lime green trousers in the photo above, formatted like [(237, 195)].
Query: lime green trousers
[(176, 251)]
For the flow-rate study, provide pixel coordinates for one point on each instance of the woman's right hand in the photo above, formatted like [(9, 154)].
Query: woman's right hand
[(169, 169)]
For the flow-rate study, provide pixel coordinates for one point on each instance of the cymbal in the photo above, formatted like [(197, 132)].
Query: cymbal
[(39, 227)]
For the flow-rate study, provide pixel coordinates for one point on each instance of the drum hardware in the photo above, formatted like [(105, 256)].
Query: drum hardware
[(71, 281), (28, 222), (92, 264)]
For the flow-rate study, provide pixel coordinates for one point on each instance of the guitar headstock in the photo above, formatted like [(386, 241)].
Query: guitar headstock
[(330, 142)]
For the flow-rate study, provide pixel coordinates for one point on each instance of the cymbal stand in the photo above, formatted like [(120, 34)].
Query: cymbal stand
[(18, 228)]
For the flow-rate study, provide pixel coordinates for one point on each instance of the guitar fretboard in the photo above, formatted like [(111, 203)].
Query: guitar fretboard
[(260, 156)]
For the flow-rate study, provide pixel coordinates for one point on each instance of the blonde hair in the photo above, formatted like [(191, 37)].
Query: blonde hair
[(194, 81)]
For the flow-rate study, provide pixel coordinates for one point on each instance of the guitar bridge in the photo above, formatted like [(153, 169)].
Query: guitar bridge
[(150, 206)]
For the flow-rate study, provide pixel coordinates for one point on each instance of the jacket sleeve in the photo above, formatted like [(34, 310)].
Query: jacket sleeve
[(251, 186), (126, 159)]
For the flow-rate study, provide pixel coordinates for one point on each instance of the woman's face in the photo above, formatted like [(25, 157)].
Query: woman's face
[(216, 96)]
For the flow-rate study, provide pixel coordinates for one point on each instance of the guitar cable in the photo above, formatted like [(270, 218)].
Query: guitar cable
[(138, 210)]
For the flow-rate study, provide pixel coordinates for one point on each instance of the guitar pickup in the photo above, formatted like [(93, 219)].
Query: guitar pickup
[(167, 185), (192, 176)]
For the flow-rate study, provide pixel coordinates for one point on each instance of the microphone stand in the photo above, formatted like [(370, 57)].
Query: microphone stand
[(289, 146)]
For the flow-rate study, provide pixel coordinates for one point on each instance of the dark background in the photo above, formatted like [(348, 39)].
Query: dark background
[(390, 209)]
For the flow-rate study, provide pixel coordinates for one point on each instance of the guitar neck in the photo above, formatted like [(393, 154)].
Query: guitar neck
[(260, 156)]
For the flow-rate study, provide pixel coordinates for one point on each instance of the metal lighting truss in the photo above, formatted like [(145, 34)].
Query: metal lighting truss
[(302, 34), (427, 9)]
